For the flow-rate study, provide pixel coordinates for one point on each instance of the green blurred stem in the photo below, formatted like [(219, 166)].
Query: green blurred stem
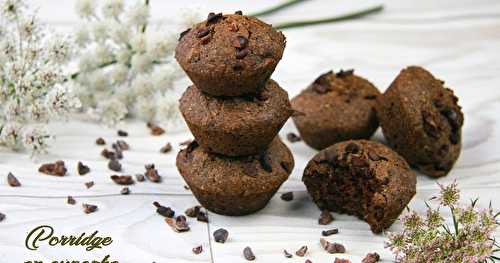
[(277, 8), (334, 19)]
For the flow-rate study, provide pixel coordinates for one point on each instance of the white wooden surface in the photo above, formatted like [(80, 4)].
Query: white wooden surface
[(457, 40)]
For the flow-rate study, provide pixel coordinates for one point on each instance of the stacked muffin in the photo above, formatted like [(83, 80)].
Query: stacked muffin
[(235, 111)]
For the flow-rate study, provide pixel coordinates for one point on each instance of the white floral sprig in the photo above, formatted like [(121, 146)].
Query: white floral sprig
[(126, 67), (430, 239), (32, 80)]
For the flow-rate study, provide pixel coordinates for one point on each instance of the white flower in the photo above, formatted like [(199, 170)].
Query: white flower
[(145, 109), (100, 30), (138, 14), (167, 112), (103, 54), (141, 63), (12, 8), (36, 139), (112, 8), (86, 62), (161, 45), (119, 74), (138, 43), (60, 101), (112, 111), (10, 135), (59, 49), (82, 36), (85, 8), (119, 32), (164, 76), (190, 17), (99, 80), (143, 86), (123, 56)]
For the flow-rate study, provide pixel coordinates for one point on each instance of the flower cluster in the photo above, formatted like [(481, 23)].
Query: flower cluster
[(430, 239), (32, 80), (126, 67)]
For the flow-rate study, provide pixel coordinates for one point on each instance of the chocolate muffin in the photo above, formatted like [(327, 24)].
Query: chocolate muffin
[(422, 121), (235, 185), (236, 126), (336, 107), (361, 178), (230, 55)]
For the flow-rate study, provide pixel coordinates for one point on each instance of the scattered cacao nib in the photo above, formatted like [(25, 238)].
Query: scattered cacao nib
[(114, 165), (221, 235), (58, 168), (250, 169), (12, 180), (240, 42), (248, 254), (140, 178), (288, 196), (163, 210), (344, 73), (239, 12), (166, 148), (121, 145), (302, 251), (100, 141), (122, 133), (265, 163), (178, 224), (122, 179), (197, 250), (108, 154), (202, 217), (352, 148), (308, 261), (71, 200), (186, 143), (183, 33), (213, 18), (125, 191), (292, 137), (89, 184), (330, 232), (341, 260), (88, 208), (371, 258), (325, 218), (186, 187), (331, 247), (287, 255), (193, 211), (203, 32), (82, 168), (2, 217), (241, 54), (152, 173)]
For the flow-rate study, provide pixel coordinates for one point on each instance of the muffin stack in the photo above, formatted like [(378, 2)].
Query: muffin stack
[(235, 111)]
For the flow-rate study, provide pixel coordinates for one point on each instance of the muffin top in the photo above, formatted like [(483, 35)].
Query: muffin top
[(228, 43), (270, 107)]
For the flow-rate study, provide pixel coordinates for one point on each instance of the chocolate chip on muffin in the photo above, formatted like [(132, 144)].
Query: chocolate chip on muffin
[(236, 126), (344, 178), (224, 184), (230, 55), (422, 121), (336, 107)]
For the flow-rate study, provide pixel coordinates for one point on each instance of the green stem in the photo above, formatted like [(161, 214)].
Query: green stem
[(277, 7), (455, 222), (143, 29), (350, 16), (75, 75)]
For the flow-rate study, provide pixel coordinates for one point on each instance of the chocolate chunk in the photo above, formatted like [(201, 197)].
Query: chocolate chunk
[(122, 133), (213, 18), (330, 232), (292, 137), (58, 168), (82, 169), (100, 141), (453, 118), (287, 255), (265, 163), (193, 211), (321, 89), (454, 138), (185, 143), (240, 42), (88, 208), (89, 184), (325, 218), (114, 165), (352, 148), (248, 253), (179, 224), (371, 258), (241, 54), (287, 196), (302, 251), (122, 179), (197, 250), (125, 191), (152, 174), (183, 33), (203, 32), (286, 166), (344, 73), (430, 126), (239, 12), (70, 200), (166, 148), (164, 211), (221, 235), (374, 156), (12, 180)]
